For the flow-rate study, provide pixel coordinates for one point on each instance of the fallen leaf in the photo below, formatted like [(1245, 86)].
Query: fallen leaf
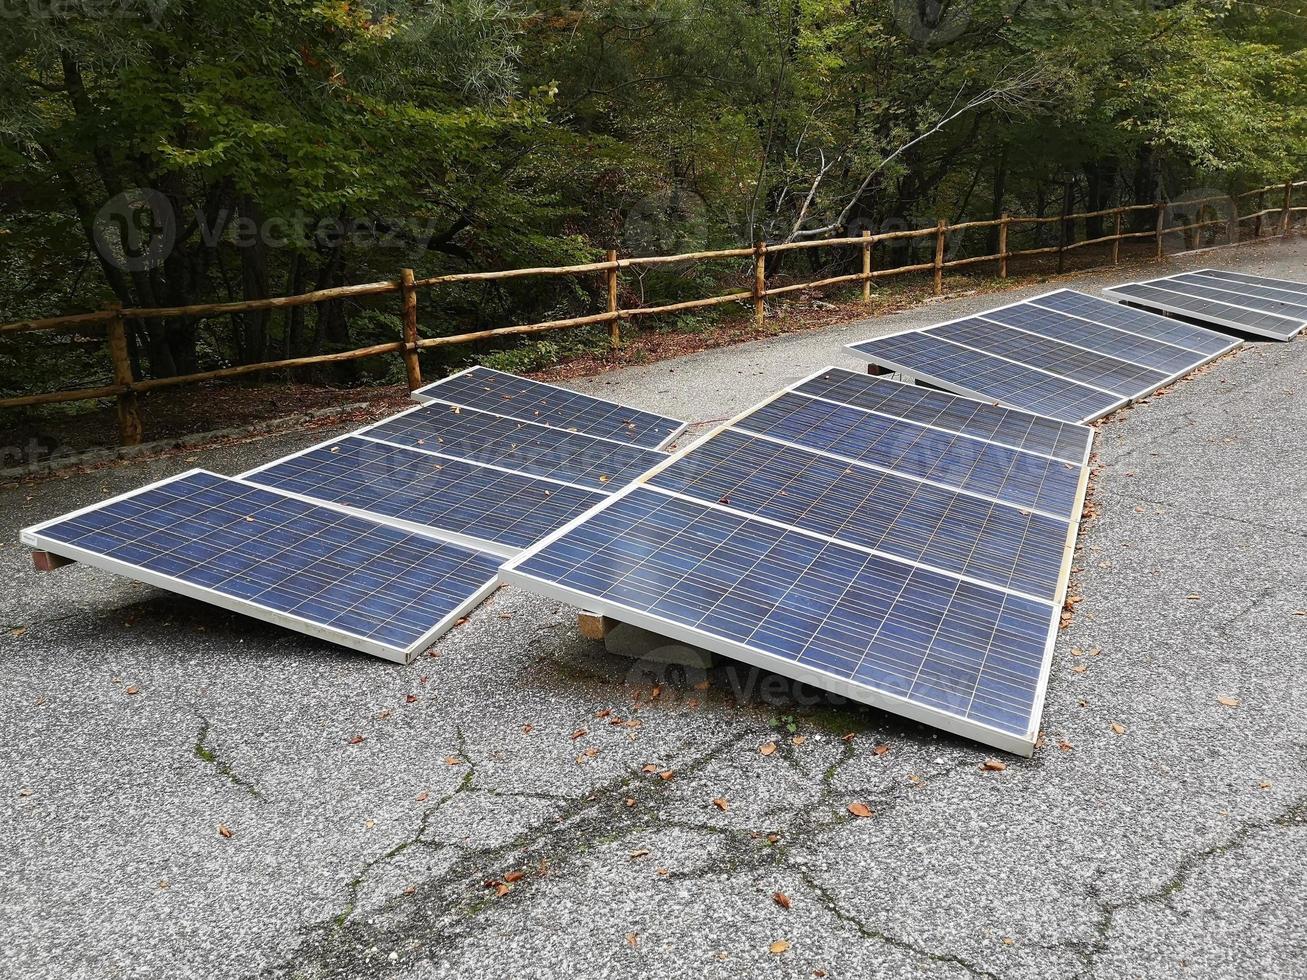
[(648, 767), (453, 760), (993, 765), (704, 685), (849, 736), (25, 791), (667, 774), (1193, 595), (16, 633), (515, 876), (411, 890), (722, 803), (1264, 784), (133, 690), (768, 749), (422, 797), (630, 801), (1119, 728), (603, 713), (662, 872), (860, 809), (356, 740), (781, 899), (1079, 669), (641, 852), (881, 749), (528, 729), (799, 739), (410, 698), (502, 889), (225, 831), (632, 939), (1064, 745), (579, 733), (1228, 701), (779, 947)]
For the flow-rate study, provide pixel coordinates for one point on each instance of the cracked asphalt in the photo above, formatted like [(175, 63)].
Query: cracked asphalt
[(506, 813)]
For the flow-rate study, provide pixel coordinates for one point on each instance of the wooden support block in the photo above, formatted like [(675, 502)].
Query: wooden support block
[(594, 626), (46, 561)]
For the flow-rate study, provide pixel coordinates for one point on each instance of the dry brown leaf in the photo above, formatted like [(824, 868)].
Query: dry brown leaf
[(225, 831), (410, 698), (502, 889), (993, 765), (603, 712), (515, 876), (779, 947), (781, 899), (579, 733), (881, 749), (648, 767), (528, 729), (422, 797), (768, 748), (633, 939), (798, 739), (133, 690), (667, 774), (1264, 784), (1064, 745), (849, 736), (860, 809), (662, 872), (773, 838), (641, 852), (1079, 669), (356, 740), (411, 890), (630, 801), (1118, 728), (453, 760), (25, 791), (722, 803), (1228, 701)]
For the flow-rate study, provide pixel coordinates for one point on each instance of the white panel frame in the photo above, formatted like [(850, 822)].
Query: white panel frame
[(33, 538), (420, 396), (1190, 315), (1267, 282), (1022, 745)]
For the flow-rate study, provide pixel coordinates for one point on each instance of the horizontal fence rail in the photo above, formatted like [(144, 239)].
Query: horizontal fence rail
[(126, 387)]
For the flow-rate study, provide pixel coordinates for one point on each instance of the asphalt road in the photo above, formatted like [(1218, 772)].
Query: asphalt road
[(470, 834)]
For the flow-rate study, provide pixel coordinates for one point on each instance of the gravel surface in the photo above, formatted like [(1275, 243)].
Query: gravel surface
[(470, 835)]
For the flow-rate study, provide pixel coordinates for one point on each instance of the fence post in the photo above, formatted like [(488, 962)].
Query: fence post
[(1116, 238), (409, 296), (1002, 245), (866, 266), (1261, 207), (759, 282), (129, 416), (1061, 242), (1161, 222), (614, 326), (1233, 234), (1288, 200), (941, 233)]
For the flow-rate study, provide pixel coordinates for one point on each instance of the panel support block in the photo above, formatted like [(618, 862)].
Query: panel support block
[(46, 561), (876, 370), (595, 627)]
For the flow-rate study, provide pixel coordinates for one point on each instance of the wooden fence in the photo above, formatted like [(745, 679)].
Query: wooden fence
[(126, 387)]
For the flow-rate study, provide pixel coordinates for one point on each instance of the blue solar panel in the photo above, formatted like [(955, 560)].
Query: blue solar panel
[(1145, 324), (1166, 359), (1293, 305), (308, 567), (996, 543), (1065, 360), (966, 371), (940, 410), (1199, 303), (438, 492), (929, 645), (537, 450), (534, 401), (1286, 288), (1022, 479)]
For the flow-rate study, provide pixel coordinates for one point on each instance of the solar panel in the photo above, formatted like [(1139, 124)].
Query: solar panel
[(947, 459), (1279, 285), (537, 450), (970, 372), (1085, 367), (535, 401), (1139, 322), (1164, 361), (1063, 354), (922, 599), (965, 416), (1214, 305), (312, 568), (482, 505), (998, 544), (1257, 297)]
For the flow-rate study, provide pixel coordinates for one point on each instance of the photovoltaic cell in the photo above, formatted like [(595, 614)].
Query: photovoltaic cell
[(526, 447), (1166, 360), (1208, 305), (1140, 322), (1292, 305), (311, 568), (912, 640), (939, 410), (995, 543), (1277, 286), (534, 401), (1009, 475), (964, 370), (1075, 363), (441, 493)]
